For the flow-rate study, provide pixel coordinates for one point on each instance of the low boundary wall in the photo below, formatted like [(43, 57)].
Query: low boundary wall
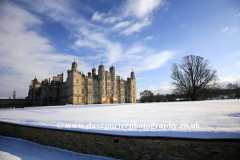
[(126, 147)]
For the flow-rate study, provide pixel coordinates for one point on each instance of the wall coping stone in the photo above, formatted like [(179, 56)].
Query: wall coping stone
[(130, 136)]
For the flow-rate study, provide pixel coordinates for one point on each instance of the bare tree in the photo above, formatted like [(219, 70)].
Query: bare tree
[(193, 76)]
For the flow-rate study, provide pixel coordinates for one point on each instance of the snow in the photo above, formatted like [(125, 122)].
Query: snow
[(205, 119), (17, 149)]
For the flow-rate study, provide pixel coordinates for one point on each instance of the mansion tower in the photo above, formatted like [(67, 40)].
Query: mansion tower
[(79, 89)]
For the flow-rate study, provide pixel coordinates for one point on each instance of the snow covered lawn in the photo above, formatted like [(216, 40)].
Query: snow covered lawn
[(202, 119), (17, 149)]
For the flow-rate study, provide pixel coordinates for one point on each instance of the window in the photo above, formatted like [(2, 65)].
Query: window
[(82, 91), (95, 84), (108, 77), (43, 93), (89, 82), (108, 91), (122, 85), (116, 92), (82, 82), (133, 93), (77, 81), (125, 92), (77, 99), (83, 99), (122, 92), (89, 99), (55, 93), (108, 83), (133, 85), (89, 91), (77, 90), (95, 91)]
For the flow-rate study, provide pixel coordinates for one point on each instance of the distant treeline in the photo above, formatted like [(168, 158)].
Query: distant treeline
[(230, 91)]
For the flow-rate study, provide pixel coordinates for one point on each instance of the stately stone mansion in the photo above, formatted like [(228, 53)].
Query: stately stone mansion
[(78, 89)]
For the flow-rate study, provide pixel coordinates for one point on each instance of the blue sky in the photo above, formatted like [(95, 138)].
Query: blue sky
[(42, 37)]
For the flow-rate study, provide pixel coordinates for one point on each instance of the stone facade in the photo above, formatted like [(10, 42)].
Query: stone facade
[(79, 89), (126, 147)]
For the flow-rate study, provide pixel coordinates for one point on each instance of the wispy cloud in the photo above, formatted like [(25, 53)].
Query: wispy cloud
[(149, 37), (233, 29), (102, 17), (143, 59), (138, 11), (96, 16), (224, 30), (122, 25), (237, 15), (137, 27), (230, 30), (140, 8), (97, 40)]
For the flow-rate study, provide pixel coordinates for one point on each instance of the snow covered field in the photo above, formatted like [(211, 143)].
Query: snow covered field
[(17, 149), (202, 119)]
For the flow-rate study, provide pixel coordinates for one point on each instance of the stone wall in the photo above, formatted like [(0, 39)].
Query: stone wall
[(126, 147), (17, 103)]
